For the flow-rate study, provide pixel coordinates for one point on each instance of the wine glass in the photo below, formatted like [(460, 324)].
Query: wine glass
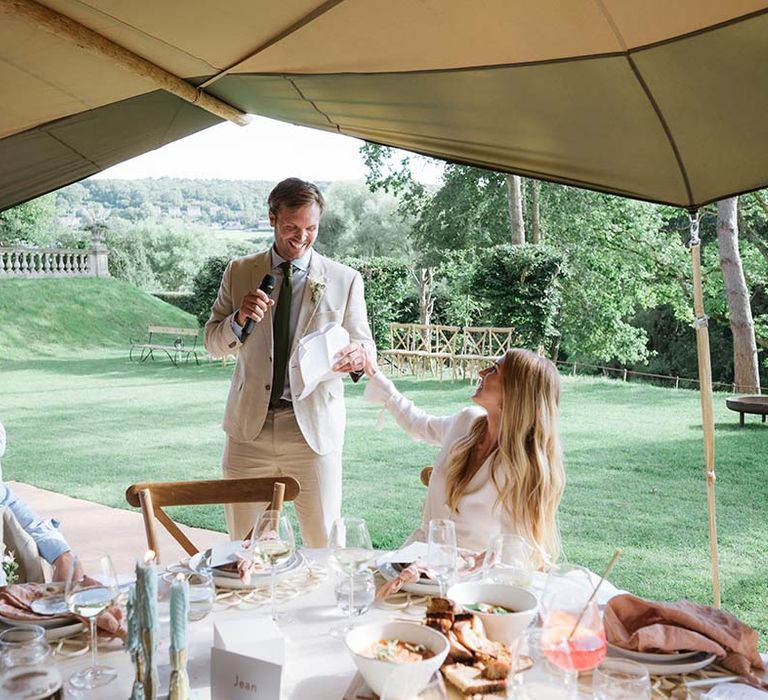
[(509, 561), (272, 539), (351, 551), (90, 589), (442, 555), (569, 614)]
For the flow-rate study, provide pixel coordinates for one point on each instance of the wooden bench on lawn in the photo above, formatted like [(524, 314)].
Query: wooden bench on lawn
[(172, 341)]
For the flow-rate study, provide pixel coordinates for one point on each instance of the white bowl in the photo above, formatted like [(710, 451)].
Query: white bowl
[(399, 680), (499, 628)]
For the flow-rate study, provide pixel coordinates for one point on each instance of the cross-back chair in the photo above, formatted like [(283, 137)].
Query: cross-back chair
[(152, 497)]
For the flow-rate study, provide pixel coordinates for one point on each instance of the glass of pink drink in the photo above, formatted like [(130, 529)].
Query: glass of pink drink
[(569, 620)]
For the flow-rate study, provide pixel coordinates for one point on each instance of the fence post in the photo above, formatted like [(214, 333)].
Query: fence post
[(98, 257), (625, 374), (573, 370), (677, 382)]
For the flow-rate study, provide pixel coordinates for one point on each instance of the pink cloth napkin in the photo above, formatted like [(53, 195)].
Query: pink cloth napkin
[(16, 604), (646, 625)]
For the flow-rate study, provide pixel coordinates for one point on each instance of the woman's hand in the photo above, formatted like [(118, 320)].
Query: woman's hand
[(370, 367)]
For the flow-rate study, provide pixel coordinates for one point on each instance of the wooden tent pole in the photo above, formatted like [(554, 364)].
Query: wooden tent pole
[(68, 29), (705, 392)]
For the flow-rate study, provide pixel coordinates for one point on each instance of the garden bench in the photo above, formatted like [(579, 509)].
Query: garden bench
[(172, 341), (748, 404)]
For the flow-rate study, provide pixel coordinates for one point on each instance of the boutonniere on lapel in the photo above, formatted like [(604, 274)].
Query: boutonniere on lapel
[(317, 289)]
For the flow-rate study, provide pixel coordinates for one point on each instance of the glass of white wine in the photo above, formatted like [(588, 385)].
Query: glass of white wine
[(90, 589), (273, 541), (351, 551)]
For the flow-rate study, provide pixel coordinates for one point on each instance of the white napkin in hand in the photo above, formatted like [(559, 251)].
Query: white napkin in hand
[(317, 355)]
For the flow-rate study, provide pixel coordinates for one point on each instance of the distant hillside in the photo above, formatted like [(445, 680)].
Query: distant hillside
[(227, 204), (59, 316)]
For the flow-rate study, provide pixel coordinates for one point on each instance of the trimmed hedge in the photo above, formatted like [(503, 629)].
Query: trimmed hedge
[(182, 300)]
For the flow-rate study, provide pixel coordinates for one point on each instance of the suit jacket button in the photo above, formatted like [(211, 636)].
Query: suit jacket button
[(268, 387)]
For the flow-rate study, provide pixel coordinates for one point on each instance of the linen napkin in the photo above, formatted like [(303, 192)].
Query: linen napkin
[(16, 604), (650, 626)]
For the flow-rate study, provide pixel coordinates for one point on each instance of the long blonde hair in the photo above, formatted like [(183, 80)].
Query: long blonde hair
[(527, 468)]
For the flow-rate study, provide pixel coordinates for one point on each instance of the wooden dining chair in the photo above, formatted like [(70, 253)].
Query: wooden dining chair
[(152, 497), (425, 475)]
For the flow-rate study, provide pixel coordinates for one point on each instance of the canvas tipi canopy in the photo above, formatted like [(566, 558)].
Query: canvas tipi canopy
[(657, 100), (651, 99)]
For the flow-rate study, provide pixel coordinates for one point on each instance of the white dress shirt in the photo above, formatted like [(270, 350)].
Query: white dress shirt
[(299, 281)]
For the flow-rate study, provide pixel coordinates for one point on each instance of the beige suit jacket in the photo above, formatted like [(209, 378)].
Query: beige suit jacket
[(333, 292)]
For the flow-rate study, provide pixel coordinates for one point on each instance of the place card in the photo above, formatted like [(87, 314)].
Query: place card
[(247, 659)]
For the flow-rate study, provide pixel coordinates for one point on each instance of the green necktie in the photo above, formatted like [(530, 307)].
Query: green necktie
[(281, 332)]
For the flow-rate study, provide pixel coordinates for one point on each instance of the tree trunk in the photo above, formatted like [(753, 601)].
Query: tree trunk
[(535, 213), (425, 280), (746, 373), (515, 192)]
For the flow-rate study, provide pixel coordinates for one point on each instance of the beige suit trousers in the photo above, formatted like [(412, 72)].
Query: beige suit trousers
[(281, 450)]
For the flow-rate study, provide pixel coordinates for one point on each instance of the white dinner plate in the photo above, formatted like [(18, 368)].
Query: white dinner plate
[(54, 628), (674, 668), (226, 552), (643, 656), (66, 630), (292, 565), (423, 586)]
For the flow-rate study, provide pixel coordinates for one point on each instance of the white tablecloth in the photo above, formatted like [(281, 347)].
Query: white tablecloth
[(317, 667)]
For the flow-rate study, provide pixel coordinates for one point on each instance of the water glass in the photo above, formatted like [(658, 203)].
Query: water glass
[(509, 561), (363, 592), (621, 679), (442, 554), (546, 669), (202, 592), (351, 552), (26, 669), (19, 645)]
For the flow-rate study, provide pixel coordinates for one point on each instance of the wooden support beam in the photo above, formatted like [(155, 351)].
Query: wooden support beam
[(707, 411), (88, 40)]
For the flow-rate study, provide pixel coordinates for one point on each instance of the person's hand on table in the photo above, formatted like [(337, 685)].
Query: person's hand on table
[(352, 358)]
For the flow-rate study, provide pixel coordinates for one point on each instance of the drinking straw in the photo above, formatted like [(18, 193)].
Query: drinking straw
[(614, 559)]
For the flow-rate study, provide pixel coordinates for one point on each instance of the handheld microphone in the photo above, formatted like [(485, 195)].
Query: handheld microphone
[(266, 286)]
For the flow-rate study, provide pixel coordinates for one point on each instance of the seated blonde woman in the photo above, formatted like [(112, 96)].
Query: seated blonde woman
[(500, 466)]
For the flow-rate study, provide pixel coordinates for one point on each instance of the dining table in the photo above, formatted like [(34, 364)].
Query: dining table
[(317, 666)]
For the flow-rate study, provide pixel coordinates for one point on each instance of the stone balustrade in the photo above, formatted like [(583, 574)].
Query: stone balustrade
[(54, 262)]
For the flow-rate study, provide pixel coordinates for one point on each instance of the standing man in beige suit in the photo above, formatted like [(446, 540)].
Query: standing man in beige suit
[(269, 430)]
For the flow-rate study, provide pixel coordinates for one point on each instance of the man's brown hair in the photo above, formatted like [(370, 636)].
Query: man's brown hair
[(292, 193)]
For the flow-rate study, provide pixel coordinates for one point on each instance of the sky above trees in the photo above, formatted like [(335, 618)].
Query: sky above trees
[(264, 150)]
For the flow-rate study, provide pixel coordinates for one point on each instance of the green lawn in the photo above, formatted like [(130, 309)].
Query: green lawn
[(89, 425)]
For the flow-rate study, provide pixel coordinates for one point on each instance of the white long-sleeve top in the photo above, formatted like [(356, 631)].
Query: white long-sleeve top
[(479, 516)]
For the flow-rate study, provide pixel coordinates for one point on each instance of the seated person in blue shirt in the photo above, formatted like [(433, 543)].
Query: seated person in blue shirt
[(50, 542)]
